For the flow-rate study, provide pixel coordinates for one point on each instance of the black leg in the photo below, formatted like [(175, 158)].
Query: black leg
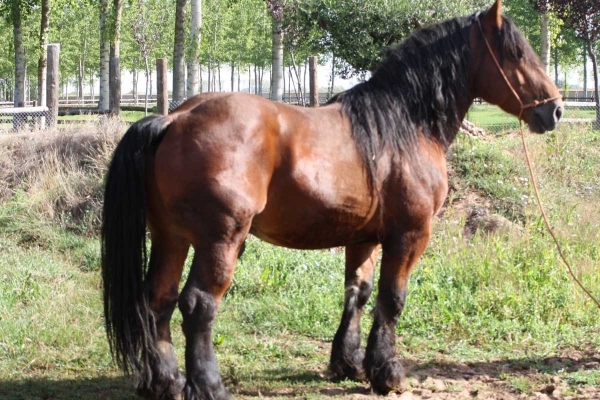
[(346, 353), (400, 255), (162, 379)]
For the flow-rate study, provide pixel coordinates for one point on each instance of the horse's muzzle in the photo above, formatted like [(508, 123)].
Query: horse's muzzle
[(544, 117)]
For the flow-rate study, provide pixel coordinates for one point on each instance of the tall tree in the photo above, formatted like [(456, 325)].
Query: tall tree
[(543, 7), (359, 32), (42, 59), (147, 28), (193, 70), (276, 7), (16, 8), (179, 53), (103, 101), (584, 17)]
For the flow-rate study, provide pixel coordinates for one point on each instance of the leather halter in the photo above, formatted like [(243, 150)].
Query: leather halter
[(512, 89)]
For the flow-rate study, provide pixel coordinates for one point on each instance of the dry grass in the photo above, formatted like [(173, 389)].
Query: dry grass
[(58, 174)]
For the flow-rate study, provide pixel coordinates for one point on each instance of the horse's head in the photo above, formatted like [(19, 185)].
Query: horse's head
[(525, 89)]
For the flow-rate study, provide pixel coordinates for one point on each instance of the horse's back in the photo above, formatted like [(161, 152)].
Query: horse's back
[(292, 170)]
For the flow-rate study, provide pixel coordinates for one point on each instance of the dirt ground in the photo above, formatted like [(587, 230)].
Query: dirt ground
[(502, 379)]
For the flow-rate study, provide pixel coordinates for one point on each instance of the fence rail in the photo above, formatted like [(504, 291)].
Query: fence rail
[(23, 118), (486, 116), (493, 120)]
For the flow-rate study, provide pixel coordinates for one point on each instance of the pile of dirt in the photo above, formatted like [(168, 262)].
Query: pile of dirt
[(480, 219)]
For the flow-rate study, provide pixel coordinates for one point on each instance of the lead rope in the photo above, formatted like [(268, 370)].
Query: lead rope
[(533, 180)]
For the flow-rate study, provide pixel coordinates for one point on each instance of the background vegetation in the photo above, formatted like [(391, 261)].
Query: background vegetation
[(351, 35), (498, 305)]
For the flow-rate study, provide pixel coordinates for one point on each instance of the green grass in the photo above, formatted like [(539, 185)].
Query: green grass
[(503, 303), (492, 118), (127, 116)]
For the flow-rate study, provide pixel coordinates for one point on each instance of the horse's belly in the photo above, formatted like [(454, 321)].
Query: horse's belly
[(305, 223)]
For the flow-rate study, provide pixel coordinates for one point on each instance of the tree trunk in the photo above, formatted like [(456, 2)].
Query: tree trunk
[(147, 86), (585, 73), (194, 49), (239, 79), (19, 92), (260, 83), (301, 99), (135, 85), (114, 62), (179, 53), (277, 62), (115, 43), (42, 60), (82, 70), (80, 81), (25, 86), (304, 77), (595, 67), (219, 71), (330, 94), (209, 75), (545, 38), (556, 65), (103, 102), (201, 81)]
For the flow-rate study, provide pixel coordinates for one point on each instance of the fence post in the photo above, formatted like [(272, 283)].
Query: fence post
[(114, 80), (162, 95), (314, 81), (52, 85)]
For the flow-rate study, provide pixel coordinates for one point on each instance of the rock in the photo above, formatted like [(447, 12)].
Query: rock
[(471, 129), (406, 396), (480, 219), (592, 365), (548, 389)]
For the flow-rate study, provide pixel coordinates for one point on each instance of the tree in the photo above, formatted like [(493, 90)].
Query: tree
[(193, 71), (44, 26), (147, 28), (359, 32), (17, 11), (103, 101), (543, 7), (179, 53), (584, 17), (276, 7)]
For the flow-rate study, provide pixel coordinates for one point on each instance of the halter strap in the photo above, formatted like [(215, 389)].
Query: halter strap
[(512, 89)]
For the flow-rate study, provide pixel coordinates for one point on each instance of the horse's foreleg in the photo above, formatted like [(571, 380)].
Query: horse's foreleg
[(210, 275), (162, 379), (346, 354), (400, 255)]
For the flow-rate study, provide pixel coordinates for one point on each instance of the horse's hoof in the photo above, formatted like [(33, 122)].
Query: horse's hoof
[(163, 389), (388, 377), (192, 392), (351, 368)]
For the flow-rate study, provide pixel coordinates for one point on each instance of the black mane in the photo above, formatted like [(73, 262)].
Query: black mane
[(420, 89)]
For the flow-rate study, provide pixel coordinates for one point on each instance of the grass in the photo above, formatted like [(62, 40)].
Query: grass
[(492, 118), (501, 305)]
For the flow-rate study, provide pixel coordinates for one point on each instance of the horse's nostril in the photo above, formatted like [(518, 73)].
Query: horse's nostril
[(558, 113)]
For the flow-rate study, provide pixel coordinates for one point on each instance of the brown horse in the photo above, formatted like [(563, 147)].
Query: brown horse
[(367, 171)]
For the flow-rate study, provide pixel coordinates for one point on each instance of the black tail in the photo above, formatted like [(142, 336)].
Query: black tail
[(129, 321)]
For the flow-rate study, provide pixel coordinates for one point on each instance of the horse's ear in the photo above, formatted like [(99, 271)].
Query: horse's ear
[(493, 18)]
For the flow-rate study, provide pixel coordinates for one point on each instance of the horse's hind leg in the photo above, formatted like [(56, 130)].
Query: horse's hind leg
[(346, 354), (210, 275), (400, 255), (162, 379)]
